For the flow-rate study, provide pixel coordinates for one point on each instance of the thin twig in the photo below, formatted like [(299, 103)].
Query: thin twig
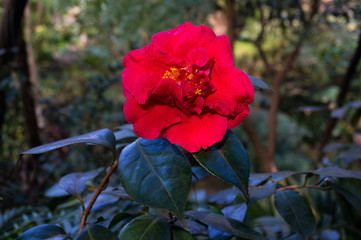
[(96, 194), (297, 186)]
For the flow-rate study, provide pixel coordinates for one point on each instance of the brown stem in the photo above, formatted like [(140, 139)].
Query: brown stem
[(96, 195), (296, 187), (259, 148)]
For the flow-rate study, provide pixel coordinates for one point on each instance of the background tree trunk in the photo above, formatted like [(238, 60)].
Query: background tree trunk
[(14, 59)]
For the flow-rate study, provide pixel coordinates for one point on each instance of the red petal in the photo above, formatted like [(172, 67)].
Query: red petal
[(143, 85), (239, 118), (168, 39), (234, 90), (146, 60), (200, 36), (196, 132), (197, 56), (221, 50), (150, 119)]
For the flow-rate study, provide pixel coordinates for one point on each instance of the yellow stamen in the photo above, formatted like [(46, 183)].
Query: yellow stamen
[(198, 91)]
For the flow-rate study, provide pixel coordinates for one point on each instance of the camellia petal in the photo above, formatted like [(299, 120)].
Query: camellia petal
[(168, 39), (230, 94), (200, 36), (149, 59), (197, 56), (196, 132), (150, 119), (221, 50), (240, 117), (143, 85)]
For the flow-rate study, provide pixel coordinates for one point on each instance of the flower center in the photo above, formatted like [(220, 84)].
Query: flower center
[(194, 80)]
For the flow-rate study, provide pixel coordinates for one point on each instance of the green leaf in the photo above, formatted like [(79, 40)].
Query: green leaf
[(180, 234), (225, 224), (103, 137), (56, 191), (146, 227), (96, 232), (279, 176), (156, 173), (295, 211), (350, 197), (42, 232), (337, 172), (75, 183), (227, 160), (257, 83), (259, 192)]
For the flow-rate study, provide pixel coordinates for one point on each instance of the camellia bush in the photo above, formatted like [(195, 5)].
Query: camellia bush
[(183, 97)]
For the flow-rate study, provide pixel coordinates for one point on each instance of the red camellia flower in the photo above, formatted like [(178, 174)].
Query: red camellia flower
[(183, 86)]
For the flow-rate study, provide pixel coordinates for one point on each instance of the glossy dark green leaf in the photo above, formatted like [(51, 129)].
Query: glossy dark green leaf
[(96, 232), (199, 173), (227, 160), (180, 234), (75, 183), (146, 227), (257, 83), (350, 197), (42, 232), (103, 137), (262, 191), (124, 132), (337, 172), (257, 178), (296, 212), (225, 224), (156, 173)]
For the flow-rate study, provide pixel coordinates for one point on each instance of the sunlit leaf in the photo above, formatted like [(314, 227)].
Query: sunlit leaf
[(103, 137), (146, 227), (96, 232), (225, 224), (75, 183), (42, 232), (227, 160), (296, 212), (156, 173), (257, 83)]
